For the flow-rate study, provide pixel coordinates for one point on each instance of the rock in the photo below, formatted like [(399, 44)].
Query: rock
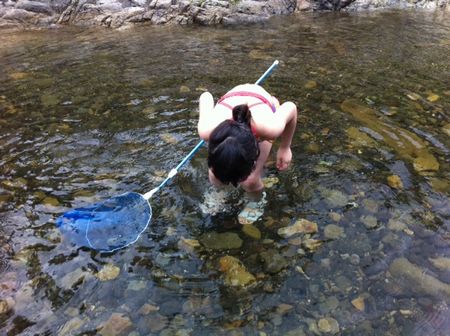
[(137, 285), (221, 241), (413, 96), (311, 84), (156, 322), (312, 244), (334, 198), (273, 261), (284, 308), (332, 231), (6, 305), (369, 221), (52, 201), (108, 272), (412, 277), (359, 139), (74, 278), (71, 327), (425, 162), (270, 181), (116, 325), (300, 226), (251, 231), (358, 303), (328, 325), (235, 272), (335, 216), (432, 97), (169, 138), (395, 182), (184, 89), (147, 309), (441, 263), (446, 129)]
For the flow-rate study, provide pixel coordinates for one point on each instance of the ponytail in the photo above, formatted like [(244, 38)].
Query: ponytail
[(242, 114)]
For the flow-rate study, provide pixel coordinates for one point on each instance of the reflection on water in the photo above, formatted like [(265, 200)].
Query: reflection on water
[(354, 239)]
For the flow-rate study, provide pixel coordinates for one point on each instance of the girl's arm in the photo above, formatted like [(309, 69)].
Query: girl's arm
[(209, 118), (281, 124)]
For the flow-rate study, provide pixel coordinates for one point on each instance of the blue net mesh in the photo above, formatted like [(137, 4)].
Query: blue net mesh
[(107, 226)]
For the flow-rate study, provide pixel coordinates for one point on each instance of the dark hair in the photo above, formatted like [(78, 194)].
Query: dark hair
[(233, 149)]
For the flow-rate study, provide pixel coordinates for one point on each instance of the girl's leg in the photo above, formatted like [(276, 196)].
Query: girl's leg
[(253, 184)]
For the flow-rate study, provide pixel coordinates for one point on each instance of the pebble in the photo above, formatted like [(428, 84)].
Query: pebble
[(6, 305), (369, 221), (333, 231), (300, 226), (311, 84), (116, 325), (328, 325), (221, 241), (184, 89), (394, 181), (251, 231), (335, 216), (108, 272), (358, 303)]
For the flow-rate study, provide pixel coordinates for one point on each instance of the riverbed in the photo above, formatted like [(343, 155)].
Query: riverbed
[(354, 239)]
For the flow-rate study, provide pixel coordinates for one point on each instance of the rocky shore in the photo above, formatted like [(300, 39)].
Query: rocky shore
[(118, 13)]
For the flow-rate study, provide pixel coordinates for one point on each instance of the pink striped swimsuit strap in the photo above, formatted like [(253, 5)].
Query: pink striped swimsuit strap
[(263, 99)]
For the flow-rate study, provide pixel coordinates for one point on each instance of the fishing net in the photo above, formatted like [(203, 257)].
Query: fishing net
[(109, 225)]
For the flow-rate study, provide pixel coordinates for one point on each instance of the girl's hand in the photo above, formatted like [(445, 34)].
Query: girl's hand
[(284, 158)]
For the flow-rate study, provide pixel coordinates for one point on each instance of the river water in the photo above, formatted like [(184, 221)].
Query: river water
[(88, 114)]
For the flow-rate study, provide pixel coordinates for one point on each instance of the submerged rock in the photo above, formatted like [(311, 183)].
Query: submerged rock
[(116, 325), (300, 226), (328, 325), (412, 277), (441, 263), (235, 272), (273, 261), (221, 241), (108, 272), (251, 231), (333, 231), (407, 144), (395, 182)]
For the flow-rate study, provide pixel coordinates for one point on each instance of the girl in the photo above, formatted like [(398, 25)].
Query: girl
[(240, 130)]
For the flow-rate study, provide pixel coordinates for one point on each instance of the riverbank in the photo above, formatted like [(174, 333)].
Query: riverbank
[(117, 13)]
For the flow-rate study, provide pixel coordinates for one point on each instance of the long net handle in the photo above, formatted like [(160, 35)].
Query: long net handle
[(174, 171)]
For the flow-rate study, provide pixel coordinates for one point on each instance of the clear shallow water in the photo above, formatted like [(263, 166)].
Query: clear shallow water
[(90, 114)]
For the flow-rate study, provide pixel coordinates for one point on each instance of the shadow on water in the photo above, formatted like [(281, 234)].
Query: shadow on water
[(85, 115)]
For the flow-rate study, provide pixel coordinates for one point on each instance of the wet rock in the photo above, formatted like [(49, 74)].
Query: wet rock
[(328, 325), (270, 181), (71, 326), (311, 84), (284, 308), (425, 162), (169, 138), (329, 305), (335, 216), (440, 185), (412, 277), (312, 244), (137, 285), (432, 97), (251, 231), (18, 183), (395, 182), (108, 272), (147, 309), (6, 305), (52, 201), (406, 143), (74, 278), (221, 241), (273, 261), (359, 139), (334, 198), (300, 226), (184, 89), (116, 325), (235, 272), (369, 221), (441, 263), (358, 303), (446, 129), (332, 231)]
